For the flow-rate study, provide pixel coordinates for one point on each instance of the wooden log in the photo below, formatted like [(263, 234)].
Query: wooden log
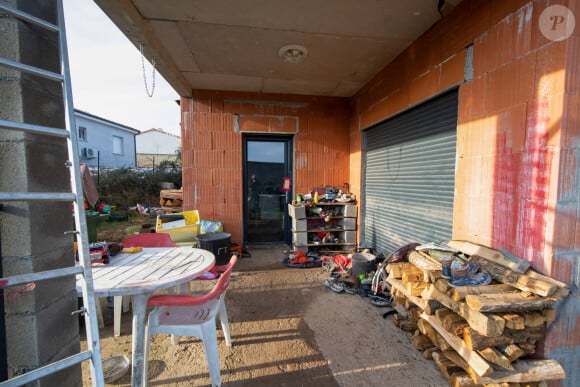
[(479, 365), (513, 321), (486, 324), (395, 270), (463, 380), (422, 342), (494, 356), (171, 194), (535, 275), (398, 284), (474, 340), (416, 288), (434, 275), (442, 285), (397, 318), (412, 274), (441, 314), (428, 353), (459, 293), (508, 302), (492, 255), (415, 313), (408, 325), (426, 329), (510, 277), (423, 261), (528, 347), (511, 351), (560, 294), (453, 356), (549, 314), (446, 366), (526, 370), (532, 320), (454, 324)]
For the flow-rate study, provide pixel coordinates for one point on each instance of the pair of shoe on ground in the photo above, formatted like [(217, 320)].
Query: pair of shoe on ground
[(463, 274)]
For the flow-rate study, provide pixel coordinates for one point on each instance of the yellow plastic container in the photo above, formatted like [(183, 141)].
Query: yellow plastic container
[(182, 227)]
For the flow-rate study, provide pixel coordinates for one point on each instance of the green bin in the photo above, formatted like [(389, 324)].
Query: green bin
[(94, 219)]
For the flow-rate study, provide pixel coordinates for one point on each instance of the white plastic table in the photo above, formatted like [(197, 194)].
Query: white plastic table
[(139, 275)]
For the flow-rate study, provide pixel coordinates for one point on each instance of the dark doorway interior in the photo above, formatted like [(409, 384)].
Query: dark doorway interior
[(267, 164)]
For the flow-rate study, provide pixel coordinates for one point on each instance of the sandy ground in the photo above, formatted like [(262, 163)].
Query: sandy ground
[(287, 330)]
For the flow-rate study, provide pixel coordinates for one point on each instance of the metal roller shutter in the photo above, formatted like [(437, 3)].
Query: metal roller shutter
[(409, 176)]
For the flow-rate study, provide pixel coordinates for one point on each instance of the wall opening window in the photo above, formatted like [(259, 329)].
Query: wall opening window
[(82, 133), (117, 145)]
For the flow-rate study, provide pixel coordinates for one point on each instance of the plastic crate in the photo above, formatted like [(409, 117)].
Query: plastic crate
[(182, 227)]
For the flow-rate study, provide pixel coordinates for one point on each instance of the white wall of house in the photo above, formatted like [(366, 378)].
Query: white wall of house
[(105, 143), (155, 146), (158, 142)]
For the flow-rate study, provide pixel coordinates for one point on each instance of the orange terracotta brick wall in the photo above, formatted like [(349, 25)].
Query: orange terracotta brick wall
[(213, 124), (517, 136)]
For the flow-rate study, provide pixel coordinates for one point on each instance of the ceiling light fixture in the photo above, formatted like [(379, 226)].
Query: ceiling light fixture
[(293, 53)]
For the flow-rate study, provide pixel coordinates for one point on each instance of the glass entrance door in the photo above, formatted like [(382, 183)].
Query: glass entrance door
[(267, 167)]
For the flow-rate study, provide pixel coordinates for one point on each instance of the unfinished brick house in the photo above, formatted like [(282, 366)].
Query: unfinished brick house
[(483, 101), (459, 121)]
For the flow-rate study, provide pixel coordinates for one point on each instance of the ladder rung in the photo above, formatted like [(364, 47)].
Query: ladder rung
[(39, 276), (31, 70), (47, 130), (29, 18), (36, 196), (47, 370)]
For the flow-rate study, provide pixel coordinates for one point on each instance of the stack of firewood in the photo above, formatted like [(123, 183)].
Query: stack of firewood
[(478, 335), (171, 200)]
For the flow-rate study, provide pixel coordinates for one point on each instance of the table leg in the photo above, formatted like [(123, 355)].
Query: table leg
[(139, 318)]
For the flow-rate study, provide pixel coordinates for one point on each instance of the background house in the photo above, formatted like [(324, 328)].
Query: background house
[(155, 146), (104, 143)]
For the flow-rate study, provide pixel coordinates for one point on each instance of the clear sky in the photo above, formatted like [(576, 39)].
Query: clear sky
[(106, 73)]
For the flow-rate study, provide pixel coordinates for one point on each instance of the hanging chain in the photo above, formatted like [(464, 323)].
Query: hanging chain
[(153, 61)]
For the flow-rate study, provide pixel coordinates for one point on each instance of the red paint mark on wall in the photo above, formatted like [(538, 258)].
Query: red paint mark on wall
[(534, 183)]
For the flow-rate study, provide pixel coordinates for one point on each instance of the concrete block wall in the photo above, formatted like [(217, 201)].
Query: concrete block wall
[(517, 179), (213, 124), (39, 325)]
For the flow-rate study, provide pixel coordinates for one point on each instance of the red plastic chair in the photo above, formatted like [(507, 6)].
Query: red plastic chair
[(186, 315), (153, 239), (138, 240)]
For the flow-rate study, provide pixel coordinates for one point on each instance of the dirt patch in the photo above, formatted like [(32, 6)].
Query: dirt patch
[(287, 330)]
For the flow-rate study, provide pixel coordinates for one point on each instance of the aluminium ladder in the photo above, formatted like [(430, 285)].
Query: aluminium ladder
[(93, 352)]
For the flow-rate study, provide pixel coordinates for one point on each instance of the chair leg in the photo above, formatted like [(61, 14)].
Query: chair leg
[(209, 338), (146, 354), (126, 304), (176, 290), (223, 315), (117, 310)]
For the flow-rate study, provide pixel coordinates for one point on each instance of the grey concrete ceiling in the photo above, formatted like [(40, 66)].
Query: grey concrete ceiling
[(234, 44)]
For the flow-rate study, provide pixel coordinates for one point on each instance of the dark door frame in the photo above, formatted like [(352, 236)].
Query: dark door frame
[(288, 141)]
